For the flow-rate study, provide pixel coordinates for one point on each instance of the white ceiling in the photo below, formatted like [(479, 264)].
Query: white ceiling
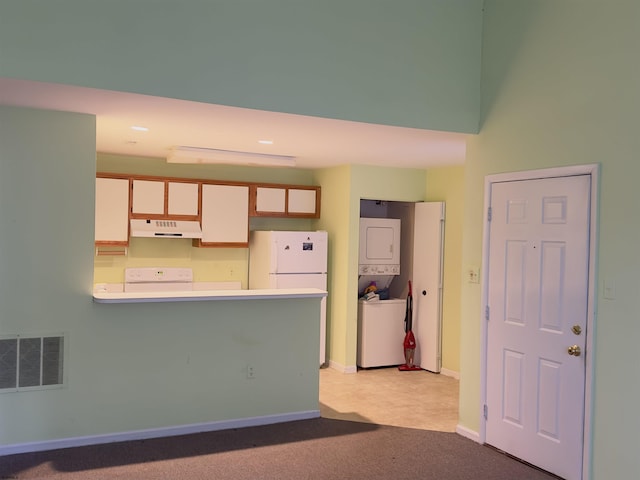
[(315, 142)]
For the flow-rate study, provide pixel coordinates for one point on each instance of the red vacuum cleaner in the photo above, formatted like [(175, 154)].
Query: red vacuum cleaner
[(409, 343)]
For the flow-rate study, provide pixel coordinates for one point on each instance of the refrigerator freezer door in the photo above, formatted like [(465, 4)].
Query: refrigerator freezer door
[(300, 252)]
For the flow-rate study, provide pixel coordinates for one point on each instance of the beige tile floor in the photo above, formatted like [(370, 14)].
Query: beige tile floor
[(387, 396)]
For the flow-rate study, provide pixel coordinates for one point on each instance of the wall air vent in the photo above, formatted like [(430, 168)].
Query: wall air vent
[(31, 362)]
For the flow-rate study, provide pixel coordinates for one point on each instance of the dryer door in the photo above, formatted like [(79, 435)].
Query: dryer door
[(379, 241)]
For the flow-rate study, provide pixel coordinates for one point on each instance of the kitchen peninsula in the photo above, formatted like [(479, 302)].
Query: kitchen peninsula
[(206, 295)]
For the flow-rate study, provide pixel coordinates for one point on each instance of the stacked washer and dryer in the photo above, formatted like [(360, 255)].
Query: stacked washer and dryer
[(380, 321)]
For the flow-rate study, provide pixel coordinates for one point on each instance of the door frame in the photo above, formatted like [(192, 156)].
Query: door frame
[(593, 170)]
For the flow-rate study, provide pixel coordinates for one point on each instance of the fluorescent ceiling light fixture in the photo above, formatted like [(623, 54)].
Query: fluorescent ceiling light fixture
[(228, 157), (138, 128), (266, 142)]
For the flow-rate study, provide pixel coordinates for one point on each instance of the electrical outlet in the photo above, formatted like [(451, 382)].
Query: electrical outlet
[(251, 372), (473, 274)]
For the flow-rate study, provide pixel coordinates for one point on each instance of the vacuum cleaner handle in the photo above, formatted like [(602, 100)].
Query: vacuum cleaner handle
[(409, 311)]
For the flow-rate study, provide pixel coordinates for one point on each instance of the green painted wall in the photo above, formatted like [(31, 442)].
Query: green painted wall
[(560, 87), (46, 210), (446, 184), (363, 60), (129, 366)]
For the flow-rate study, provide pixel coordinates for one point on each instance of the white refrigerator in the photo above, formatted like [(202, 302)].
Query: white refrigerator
[(291, 259)]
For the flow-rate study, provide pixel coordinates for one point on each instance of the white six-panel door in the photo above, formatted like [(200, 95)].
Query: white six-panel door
[(537, 311)]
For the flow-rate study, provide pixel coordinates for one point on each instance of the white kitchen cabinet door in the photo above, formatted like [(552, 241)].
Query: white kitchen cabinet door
[(285, 201), (183, 198), (112, 211), (301, 201), (225, 215), (148, 197), (269, 199)]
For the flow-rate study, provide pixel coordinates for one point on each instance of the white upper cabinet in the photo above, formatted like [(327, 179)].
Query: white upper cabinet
[(270, 199), (301, 201), (183, 198), (285, 201), (112, 211), (225, 215), (164, 198), (223, 209), (148, 197)]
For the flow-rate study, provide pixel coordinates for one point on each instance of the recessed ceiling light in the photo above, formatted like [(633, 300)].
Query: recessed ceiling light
[(266, 142), (139, 128)]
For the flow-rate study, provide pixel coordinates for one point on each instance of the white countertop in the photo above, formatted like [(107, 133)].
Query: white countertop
[(206, 295)]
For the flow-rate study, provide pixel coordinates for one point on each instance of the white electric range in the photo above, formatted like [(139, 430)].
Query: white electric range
[(150, 279)]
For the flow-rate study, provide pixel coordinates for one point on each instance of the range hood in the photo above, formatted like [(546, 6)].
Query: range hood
[(165, 228)]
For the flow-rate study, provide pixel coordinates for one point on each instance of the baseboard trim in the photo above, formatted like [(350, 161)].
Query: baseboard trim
[(343, 368), (156, 432), (468, 433), (450, 373)]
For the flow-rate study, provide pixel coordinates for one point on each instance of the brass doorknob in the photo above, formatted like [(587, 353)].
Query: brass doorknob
[(574, 350)]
